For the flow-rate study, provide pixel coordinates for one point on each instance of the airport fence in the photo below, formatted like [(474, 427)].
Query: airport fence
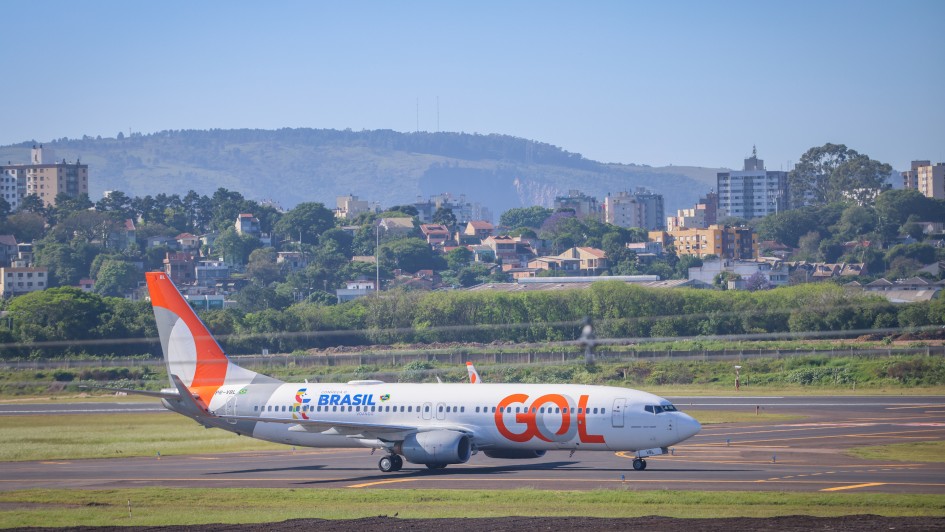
[(395, 359)]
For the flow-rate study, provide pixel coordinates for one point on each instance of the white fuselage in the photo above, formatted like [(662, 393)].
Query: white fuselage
[(498, 416)]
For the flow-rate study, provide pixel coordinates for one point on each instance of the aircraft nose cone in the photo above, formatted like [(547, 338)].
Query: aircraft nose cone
[(687, 427)]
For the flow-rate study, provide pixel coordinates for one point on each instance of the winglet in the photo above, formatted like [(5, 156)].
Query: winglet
[(473, 374)]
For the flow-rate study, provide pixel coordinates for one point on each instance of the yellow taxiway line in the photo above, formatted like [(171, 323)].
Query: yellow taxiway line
[(855, 486), (392, 481)]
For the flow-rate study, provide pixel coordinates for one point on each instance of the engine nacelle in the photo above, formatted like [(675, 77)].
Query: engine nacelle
[(514, 454), (436, 447)]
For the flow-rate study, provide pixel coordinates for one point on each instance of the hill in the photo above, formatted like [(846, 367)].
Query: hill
[(289, 166)]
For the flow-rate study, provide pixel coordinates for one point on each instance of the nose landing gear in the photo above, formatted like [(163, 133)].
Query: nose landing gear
[(639, 464)]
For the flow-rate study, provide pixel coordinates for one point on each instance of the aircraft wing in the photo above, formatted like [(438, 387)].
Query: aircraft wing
[(347, 428)]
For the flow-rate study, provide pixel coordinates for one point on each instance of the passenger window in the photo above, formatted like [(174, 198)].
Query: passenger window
[(542, 410), (572, 410), (401, 408), (334, 409), (595, 411), (462, 409), (493, 410), (477, 409), (603, 410)]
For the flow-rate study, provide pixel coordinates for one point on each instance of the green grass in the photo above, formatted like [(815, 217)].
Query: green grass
[(113, 435), (920, 451), (185, 506)]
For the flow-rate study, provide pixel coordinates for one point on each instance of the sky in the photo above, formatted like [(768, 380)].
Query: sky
[(691, 83)]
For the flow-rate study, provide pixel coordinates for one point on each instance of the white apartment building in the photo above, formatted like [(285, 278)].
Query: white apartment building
[(752, 192)]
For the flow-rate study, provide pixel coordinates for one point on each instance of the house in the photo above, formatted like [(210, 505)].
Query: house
[(86, 284), (16, 281), (592, 261), (187, 242), (397, 226), (355, 289), (8, 249), (247, 224), (292, 261), (480, 229), (776, 273), (179, 267), (435, 234), (121, 237), (208, 273), (515, 251), (568, 266)]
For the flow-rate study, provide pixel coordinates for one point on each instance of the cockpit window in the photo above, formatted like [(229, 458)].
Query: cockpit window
[(659, 409)]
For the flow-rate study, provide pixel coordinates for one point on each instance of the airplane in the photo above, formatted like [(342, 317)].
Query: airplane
[(430, 424)]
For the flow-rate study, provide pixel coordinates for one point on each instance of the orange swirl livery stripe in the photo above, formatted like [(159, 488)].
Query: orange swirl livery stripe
[(211, 364)]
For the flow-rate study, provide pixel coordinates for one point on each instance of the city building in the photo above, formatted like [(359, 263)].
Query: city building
[(638, 209), (722, 241), (752, 192), (702, 215), (355, 289), (17, 280), (349, 207), (45, 180), (926, 178), (584, 206), (776, 273), (463, 210)]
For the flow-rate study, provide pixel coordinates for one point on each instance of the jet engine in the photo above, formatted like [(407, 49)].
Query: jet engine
[(514, 454), (439, 447)]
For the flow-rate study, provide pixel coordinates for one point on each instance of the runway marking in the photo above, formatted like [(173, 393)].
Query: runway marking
[(392, 481), (56, 463), (933, 405), (854, 435), (855, 486)]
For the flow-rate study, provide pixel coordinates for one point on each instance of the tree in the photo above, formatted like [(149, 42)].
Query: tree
[(67, 262), (118, 204), (26, 226), (5, 208), (342, 239), (306, 221), (65, 314), (532, 217), (235, 248), (833, 173), (116, 278), (444, 216), (32, 203), (411, 255), (457, 258)]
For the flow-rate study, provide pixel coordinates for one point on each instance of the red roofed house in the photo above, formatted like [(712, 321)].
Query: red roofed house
[(593, 260)]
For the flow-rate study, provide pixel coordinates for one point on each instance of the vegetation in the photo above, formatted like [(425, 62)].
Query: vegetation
[(799, 374), (192, 506), (919, 451)]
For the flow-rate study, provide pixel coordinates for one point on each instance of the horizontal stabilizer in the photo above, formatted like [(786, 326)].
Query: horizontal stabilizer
[(161, 394)]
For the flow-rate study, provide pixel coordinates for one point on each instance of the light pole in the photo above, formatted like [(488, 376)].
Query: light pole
[(377, 257)]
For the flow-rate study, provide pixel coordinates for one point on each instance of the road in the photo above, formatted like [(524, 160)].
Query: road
[(801, 455)]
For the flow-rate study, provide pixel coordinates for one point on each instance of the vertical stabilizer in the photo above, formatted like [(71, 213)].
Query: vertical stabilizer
[(190, 351)]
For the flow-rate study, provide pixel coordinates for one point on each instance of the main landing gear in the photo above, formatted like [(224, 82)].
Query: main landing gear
[(639, 464), (390, 463)]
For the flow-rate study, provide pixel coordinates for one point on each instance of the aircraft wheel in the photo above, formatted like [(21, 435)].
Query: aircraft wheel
[(639, 464), (398, 462), (386, 464)]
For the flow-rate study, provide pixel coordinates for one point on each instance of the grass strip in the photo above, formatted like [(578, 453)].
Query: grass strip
[(185, 506), (919, 451), (63, 437)]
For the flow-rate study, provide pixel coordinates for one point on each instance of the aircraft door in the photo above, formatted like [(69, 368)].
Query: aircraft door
[(617, 413), (427, 410), (440, 411), (229, 409)]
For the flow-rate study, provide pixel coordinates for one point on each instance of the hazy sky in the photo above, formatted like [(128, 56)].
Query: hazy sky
[(654, 82)]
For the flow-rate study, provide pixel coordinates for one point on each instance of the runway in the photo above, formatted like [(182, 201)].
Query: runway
[(800, 455)]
